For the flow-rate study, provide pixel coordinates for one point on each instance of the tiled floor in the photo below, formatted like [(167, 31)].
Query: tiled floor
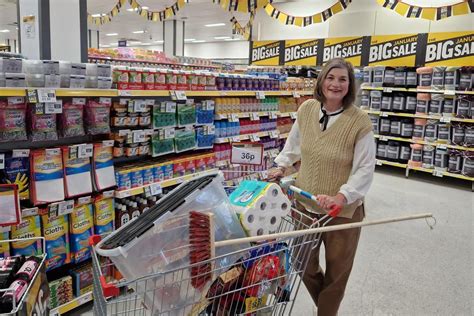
[(406, 268)]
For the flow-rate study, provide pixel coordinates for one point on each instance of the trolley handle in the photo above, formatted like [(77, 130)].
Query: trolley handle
[(108, 289), (333, 212)]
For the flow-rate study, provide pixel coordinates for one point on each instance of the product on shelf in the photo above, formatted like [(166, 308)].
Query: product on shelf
[(97, 116), (47, 176), (56, 233), (13, 119), (466, 80), (42, 126), (205, 137), (422, 103), (81, 228), (205, 112), (77, 174), (162, 144), (416, 159), (184, 140), (82, 279), (425, 75), (71, 121), (30, 227), (103, 167), (17, 171), (437, 81), (10, 266), (104, 215), (60, 291), (4, 247), (468, 164), (164, 114), (428, 157), (186, 113)]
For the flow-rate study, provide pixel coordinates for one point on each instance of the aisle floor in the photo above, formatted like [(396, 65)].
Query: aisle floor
[(406, 268)]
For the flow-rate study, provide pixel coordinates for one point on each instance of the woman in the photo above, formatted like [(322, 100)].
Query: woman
[(334, 142)]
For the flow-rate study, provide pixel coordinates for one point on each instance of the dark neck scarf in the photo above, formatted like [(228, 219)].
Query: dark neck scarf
[(324, 120)]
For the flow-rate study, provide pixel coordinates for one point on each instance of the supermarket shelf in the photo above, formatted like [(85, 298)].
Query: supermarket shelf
[(284, 135), (396, 89), (422, 142), (380, 162), (86, 93), (249, 114), (12, 92), (444, 119), (167, 183), (81, 300), (151, 62), (438, 173), (236, 138)]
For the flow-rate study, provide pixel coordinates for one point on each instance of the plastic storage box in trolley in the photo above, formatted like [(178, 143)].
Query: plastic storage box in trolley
[(157, 241)]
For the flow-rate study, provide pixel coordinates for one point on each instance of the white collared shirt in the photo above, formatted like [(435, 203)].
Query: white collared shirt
[(363, 164)]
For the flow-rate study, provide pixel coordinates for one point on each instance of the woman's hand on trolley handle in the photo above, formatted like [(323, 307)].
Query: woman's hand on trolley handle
[(328, 202)]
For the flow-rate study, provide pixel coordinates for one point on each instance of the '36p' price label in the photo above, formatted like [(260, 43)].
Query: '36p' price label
[(246, 154)]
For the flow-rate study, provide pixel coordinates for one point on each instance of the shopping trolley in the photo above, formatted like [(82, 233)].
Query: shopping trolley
[(264, 281), (35, 299)]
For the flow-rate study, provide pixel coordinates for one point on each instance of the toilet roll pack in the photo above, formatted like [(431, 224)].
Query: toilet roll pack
[(260, 206)]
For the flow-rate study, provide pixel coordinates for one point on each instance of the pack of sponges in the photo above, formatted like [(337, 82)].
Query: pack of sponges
[(30, 227), (77, 174), (4, 246), (56, 233), (103, 167), (81, 228), (104, 215), (47, 176)]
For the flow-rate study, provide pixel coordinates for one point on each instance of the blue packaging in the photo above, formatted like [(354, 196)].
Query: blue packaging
[(104, 216), (158, 173), (136, 176), (17, 171), (82, 223), (29, 227), (148, 177), (56, 233)]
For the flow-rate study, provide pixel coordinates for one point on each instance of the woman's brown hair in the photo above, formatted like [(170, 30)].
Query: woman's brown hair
[(350, 97)]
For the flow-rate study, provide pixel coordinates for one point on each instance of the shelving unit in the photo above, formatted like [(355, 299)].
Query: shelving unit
[(423, 142), (250, 114), (443, 119), (236, 138), (78, 301), (100, 59), (416, 90)]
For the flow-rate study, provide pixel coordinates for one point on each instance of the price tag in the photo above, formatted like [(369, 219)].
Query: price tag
[(27, 212), (387, 90), (274, 134), (449, 92), (254, 116), (233, 117), (19, 153), (438, 173), (169, 133), (73, 151), (254, 138), (170, 107), (383, 114), (32, 96), (108, 194), (272, 115), (153, 189), (383, 138), (79, 101), (139, 105), (16, 100), (124, 132), (235, 139), (105, 101), (260, 95), (2, 161), (442, 147), (65, 207), (148, 132), (264, 174), (46, 95), (209, 129), (378, 162), (53, 108), (139, 136), (150, 102), (180, 95), (247, 154), (296, 94), (84, 200), (85, 150), (445, 119), (293, 115), (84, 299), (209, 105), (50, 152), (124, 93), (108, 143)]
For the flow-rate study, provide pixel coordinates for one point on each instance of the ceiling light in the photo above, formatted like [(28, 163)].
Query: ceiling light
[(4, 31), (97, 15), (159, 42), (138, 32), (136, 9), (215, 24), (135, 42), (146, 44), (111, 34), (221, 37), (232, 39), (189, 39), (104, 45), (199, 41), (145, 8)]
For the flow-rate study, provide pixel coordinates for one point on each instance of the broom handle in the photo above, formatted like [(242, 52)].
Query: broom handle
[(302, 232)]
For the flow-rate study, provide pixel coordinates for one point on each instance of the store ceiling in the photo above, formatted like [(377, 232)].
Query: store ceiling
[(196, 15)]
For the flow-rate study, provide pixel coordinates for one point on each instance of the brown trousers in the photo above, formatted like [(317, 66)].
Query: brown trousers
[(327, 287)]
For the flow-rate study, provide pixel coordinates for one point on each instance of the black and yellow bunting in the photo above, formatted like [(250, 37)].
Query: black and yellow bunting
[(107, 17), (157, 16), (303, 21), (244, 31), (429, 13), (246, 6)]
